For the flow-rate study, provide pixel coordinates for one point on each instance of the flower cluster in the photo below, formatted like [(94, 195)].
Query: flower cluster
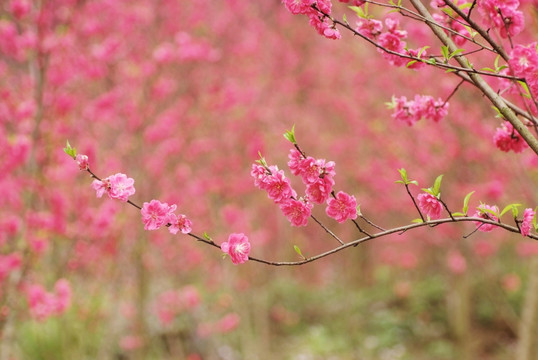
[(155, 214), (507, 138), (238, 247), (44, 304), (430, 206), (317, 20), (117, 186), (423, 106), (486, 215), (526, 225), (503, 15), (524, 64), (318, 177)]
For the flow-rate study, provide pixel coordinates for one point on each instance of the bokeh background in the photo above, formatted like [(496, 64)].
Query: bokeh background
[(181, 96)]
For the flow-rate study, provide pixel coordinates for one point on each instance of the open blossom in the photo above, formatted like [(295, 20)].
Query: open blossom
[(485, 215), (278, 187), (429, 205), (298, 6), (369, 27), (502, 14), (117, 186), (342, 208), (319, 191), (156, 214), (295, 161), (526, 225), (82, 161), (422, 106), (237, 247), (296, 211), (507, 138), (311, 170), (179, 223)]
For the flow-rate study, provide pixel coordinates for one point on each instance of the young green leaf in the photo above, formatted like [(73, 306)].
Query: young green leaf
[(417, 221), (290, 135), (298, 251), (444, 51), (71, 151), (458, 214), (437, 185), (466, 202), (534, 220), (508, 208), (206, 236)]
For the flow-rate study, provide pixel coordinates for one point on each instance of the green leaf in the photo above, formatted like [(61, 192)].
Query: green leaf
[(515, 212), (298, 251), (429, 191), (403, 174), (444, 51), (431, 61), (449, 71), (422, 50), (417, 221), (499, 113), (527, 93), (206, 236), (488, 70), (71, 151), (455, 53), (534, 220), (458, 214), (508, 208), (359, 11), (414, 182), (496, 62), (290, 135), (466, 202), (492, 212), (359, 213), (344, 19), (411, 63), (437, 185)]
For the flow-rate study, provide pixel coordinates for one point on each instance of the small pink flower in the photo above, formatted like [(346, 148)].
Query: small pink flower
[(100, 187), (121, 187), (485, 215), (320, 191), (295, 161), (429, 205), (342, 208), (82, 161), (526, 225), (456, 262), (278, 187), (156, 214), (179, 223), (369, 27), (296, 211), (507, 138), (237, 247), (298, 6)]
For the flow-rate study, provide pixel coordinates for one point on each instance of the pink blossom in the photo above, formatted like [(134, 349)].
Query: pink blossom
[(342, 208), (502, 14), (295, 161), (523, 57), (298, 6), (82, 161), (237, 247), (117, 186), (8, 263), (369, 27), (19, 8), (323, 26), (100, 187), (179, 223), (507, 138), (121, 187), (44, 304), (429, 205), (259, 173), (156, 214), (278, 187), (319, 191), (526, 225), (354, 2), (296, 211), (393, 43), (485, 215)]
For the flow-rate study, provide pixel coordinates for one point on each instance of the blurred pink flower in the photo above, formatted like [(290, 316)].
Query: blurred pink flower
[(82, 161), (485, 215), (237, 247), (526, 225), (429, 205)]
